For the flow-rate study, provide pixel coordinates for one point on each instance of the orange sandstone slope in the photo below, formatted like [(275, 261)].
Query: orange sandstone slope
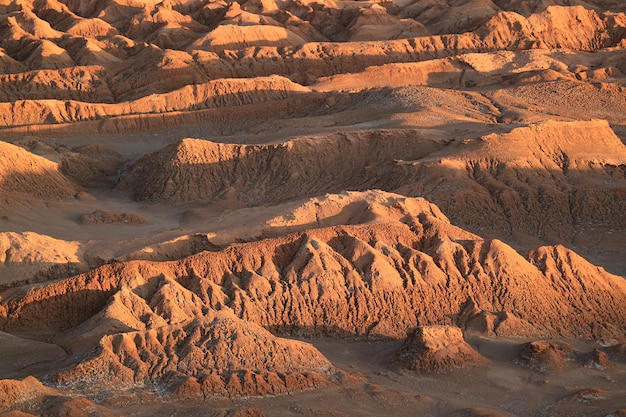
[(367, 264), (215, 354), (66, 62), (24, 176), (378, 278), (546, 180), (195, 327)]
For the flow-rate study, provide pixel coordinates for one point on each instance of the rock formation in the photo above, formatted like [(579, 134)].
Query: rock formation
[(218, 354), (378, 278), (106, 217), (122, 54), (437, 349), (188, 185), (536, 180), (547, 356), (29, 389), (27, 257)]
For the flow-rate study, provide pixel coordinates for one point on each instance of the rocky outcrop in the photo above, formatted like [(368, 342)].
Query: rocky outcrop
[(22, 392), (218, 354), (31, 395), (66, 66), (100, 217), (474, 320), (31, 257), (539, 180), (377, 278), (547, 356), (543, 181), (444, 100), (437, 349), (221, 93), (200, 171)]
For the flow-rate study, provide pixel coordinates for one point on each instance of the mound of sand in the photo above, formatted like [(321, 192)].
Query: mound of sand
[(437, 349), (375, 23), (350, 208), (234, 37)]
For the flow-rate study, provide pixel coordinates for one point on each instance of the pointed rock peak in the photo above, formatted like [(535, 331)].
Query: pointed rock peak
[(175, 303), (132, 310)]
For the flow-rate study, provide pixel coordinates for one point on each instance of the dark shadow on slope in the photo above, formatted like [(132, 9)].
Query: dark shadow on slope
[(269, 174), (25, 186), (21, 273), (560, 204), (54, 313)]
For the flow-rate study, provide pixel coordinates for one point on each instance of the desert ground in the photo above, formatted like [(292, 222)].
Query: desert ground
[(313, 208)]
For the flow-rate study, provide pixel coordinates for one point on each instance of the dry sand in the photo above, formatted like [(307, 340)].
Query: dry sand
[(320, 208)]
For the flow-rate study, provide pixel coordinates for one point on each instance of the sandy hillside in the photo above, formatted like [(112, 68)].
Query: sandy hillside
[(319, 208)]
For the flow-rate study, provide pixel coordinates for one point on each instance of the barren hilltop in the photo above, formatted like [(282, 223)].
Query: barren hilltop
[(319, 208)]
